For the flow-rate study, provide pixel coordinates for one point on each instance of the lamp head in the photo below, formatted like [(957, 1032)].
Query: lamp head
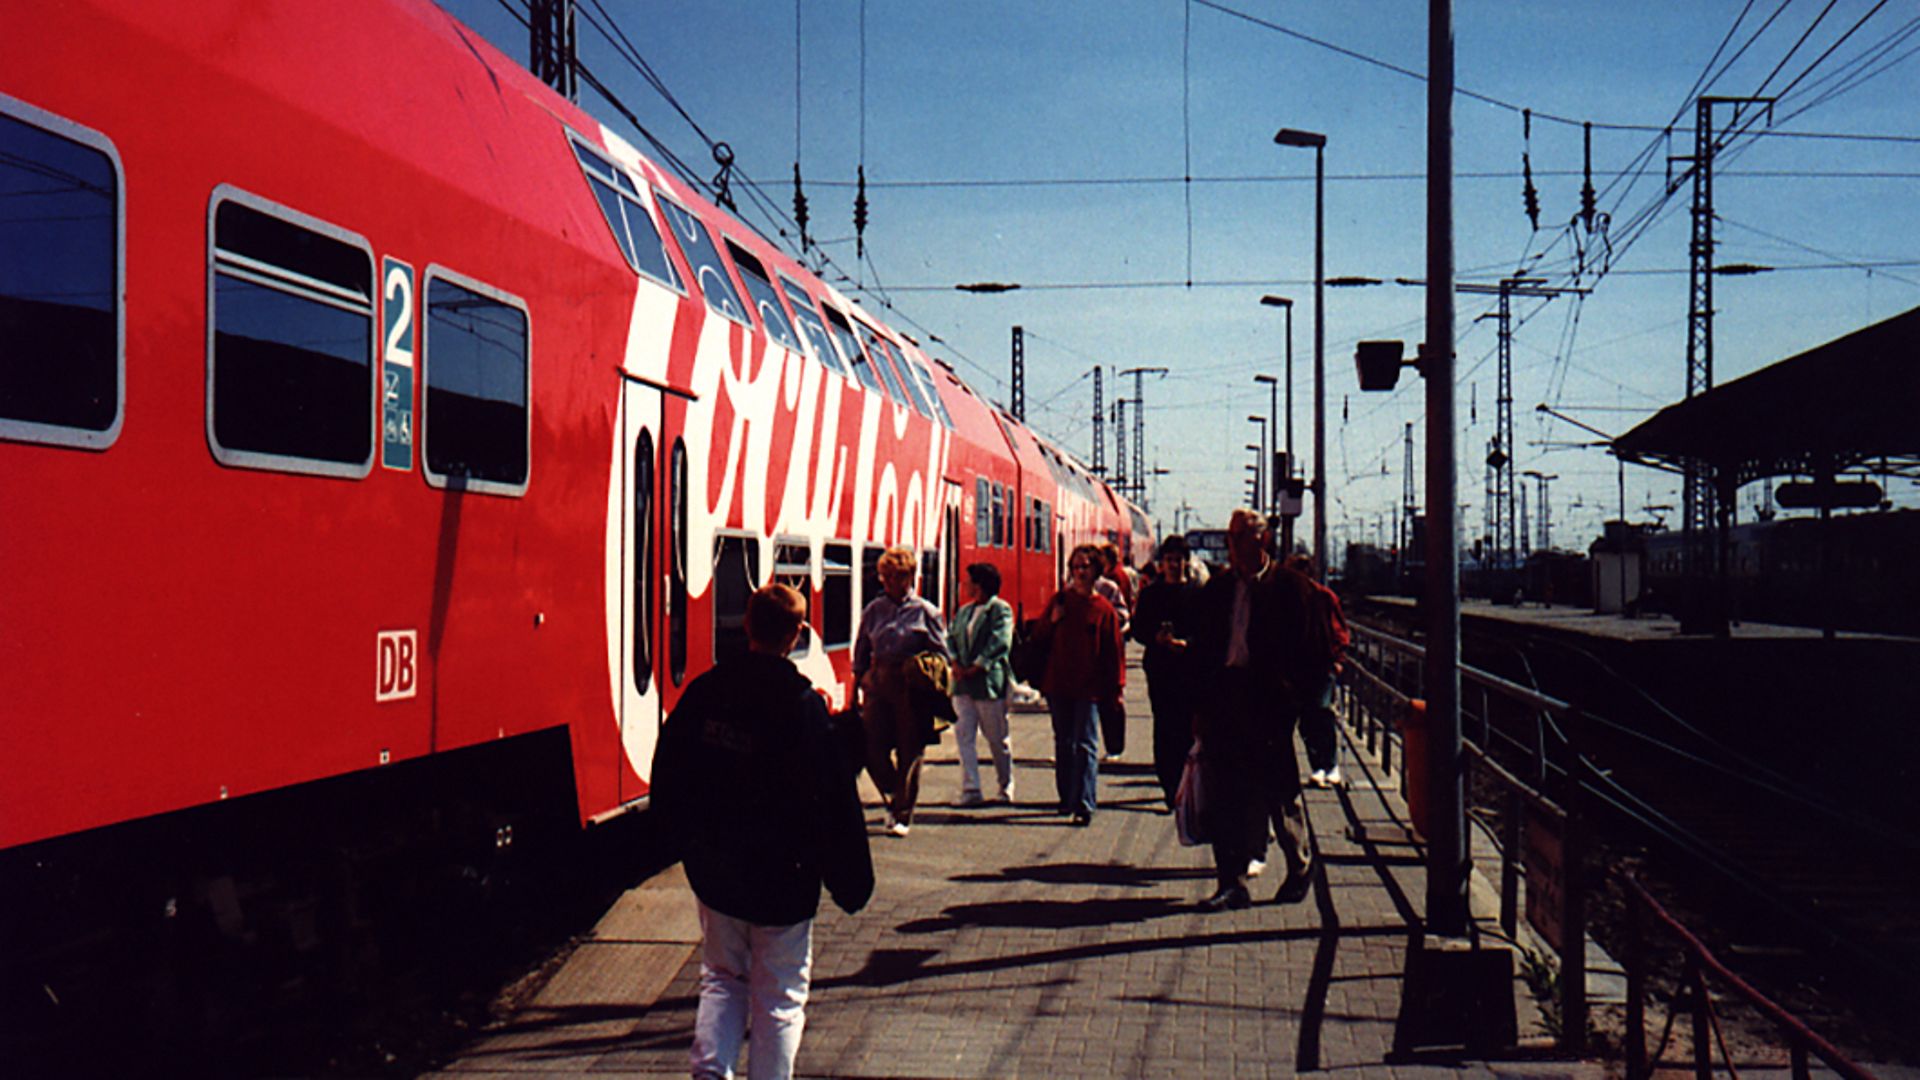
[(1293, 137)]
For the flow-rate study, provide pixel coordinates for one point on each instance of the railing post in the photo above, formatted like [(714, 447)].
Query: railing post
[(1573, 922), (1702, 1043), (1638, 1067), (1510, 862), (1801, 1068)]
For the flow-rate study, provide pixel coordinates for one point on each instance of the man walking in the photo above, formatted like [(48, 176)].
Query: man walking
[(747, 779), (1252, 628)]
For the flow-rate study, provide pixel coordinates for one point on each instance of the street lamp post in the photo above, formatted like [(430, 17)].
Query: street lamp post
[(1264, 489), (1291, 137)]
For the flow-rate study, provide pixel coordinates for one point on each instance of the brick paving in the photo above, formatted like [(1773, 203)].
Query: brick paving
[(1003, 942)]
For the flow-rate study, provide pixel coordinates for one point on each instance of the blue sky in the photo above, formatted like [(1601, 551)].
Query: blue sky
[(1145, 89)]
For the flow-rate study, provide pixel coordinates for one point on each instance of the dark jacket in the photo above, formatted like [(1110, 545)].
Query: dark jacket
[(1276, 633), (1166, 602), (749, 788)]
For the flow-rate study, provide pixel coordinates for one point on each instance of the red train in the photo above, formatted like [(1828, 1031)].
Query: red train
[(364, 402)]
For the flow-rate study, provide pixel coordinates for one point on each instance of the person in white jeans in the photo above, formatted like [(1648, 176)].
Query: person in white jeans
[(749, 783), (980, 638), (753, 983)]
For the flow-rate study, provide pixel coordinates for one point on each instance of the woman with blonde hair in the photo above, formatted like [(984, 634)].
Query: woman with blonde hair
[(894, 628)]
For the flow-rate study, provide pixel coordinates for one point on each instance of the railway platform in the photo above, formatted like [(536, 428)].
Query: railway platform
[(1001, 941)]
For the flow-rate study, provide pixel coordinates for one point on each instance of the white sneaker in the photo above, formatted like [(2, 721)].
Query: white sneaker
[(1317, 779), (889, 821), (1332, 777), (1256, 867), (897, 828)]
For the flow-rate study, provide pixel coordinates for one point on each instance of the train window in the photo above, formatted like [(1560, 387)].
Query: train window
[(843, 336), (475, 372), (642, 557), (772, 315), (927, 386), (736, 573), (704, 258), (877, 353), (812, 332), (62, 274), (982, 512), (836, 595), (793, 566), (999, 515), (677, 572), (920, 384), (632, 226), (291, 373)]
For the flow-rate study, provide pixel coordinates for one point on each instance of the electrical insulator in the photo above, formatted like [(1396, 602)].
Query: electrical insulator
[(1530, 195), (800, 208), (1587, 198), (860, 215)]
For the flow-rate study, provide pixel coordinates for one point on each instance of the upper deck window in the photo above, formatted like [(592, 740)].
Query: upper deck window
[(476, 375), (291, 372), (811, 330), (772, 315), (843, 336), (881, 346), (632, 226), (877, 353), (61, 279), (914, 370), (704, 258)]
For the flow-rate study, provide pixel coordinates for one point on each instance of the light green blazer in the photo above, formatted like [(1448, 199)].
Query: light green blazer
[(986, 646)]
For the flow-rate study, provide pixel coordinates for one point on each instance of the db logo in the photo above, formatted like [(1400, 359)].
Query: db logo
[(395, 674)]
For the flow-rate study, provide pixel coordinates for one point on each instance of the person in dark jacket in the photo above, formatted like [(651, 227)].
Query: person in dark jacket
[(1084, 668), (1250, 660), (1326, 638), (747, 782), (1166, 621)]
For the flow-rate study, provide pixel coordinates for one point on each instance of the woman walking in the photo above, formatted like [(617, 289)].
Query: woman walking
[(893, 630), (980, 638), (1084, 661)]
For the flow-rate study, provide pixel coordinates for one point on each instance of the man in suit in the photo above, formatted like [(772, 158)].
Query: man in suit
[(1249, 654)]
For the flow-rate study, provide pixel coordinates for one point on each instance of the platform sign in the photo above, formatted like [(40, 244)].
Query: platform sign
[(396, 367), (1543, 851)]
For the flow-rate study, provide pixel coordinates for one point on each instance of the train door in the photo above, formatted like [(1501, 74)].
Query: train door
[(951, 597), (642, 582)]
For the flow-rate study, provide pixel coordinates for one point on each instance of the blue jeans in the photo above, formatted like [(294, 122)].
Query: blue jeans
[(753, 981), (1076, 757)]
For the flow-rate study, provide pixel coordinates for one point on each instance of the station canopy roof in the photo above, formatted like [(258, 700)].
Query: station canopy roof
[(1856, 398)]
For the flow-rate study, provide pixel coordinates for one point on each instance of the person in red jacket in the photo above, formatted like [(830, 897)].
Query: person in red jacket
[(1084, 666)]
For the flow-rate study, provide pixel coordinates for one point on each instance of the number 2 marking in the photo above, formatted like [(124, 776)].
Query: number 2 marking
[(399, 285)]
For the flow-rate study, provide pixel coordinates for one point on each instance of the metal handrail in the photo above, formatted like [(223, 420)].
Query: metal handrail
[(1361, 682), (1700, 961)]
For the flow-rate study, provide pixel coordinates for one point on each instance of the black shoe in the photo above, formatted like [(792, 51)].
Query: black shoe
[(1295, 888), (1082, 819), (1234, 898)]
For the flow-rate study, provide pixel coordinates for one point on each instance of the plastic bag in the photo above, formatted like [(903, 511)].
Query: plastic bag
[(1189, 801)]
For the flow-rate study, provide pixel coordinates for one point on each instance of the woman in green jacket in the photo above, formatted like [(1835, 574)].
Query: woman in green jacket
[(980, 637)]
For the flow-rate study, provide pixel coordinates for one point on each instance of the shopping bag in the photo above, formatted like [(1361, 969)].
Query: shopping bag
[(1189, 801)]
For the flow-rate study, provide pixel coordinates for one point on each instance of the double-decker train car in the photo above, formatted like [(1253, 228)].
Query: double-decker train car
[(368, 409)]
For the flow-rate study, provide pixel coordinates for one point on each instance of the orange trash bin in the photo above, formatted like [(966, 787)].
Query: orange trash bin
[(1413, 763)]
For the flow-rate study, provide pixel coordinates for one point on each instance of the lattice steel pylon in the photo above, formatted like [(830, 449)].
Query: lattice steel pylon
[(1019, 409), (1099, 427), (1700, 512), (553, 44), (1139, 470)]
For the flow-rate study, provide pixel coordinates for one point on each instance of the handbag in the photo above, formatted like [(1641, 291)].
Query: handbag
[(1029, 655), (1189, 801)]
